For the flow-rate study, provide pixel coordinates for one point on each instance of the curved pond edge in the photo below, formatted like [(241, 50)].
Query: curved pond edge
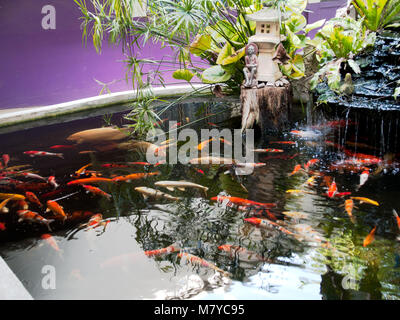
[(8, 119), (11, 288)]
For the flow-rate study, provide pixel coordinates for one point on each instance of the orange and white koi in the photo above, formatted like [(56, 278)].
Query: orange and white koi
[(51, 241), (363, 178), (201, 262), (52, 181), (27, 215), (157, 252), (370, 237), (96, 191), (366, 200), (3, 207), (33, 198), (56, 209), (32, 175), (43, 154), (135, 176), (264, 223)]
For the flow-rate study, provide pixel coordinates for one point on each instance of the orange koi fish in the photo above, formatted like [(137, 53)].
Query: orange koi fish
[(283, 142), (348, 206), (200, 262), (43, 154), (396, 216), (370, 237), (169, 249), (225, 141), (12, 195), (135, 176), (33, 198), (56, 209), (366, 200), (310, 163), (139, 163), (51, 241), (264, 223), (89, 180), (363, 156), (296, 169), (82, 170), (204, 143), (243, 202), (3, 204), (26, 215), (332, 190), (96, 191), (6, 159)]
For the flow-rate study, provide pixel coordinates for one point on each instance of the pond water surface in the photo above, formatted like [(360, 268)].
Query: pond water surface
[(315, 249)]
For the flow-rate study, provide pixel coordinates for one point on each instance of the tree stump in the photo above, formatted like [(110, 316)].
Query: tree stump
[(269, 107)]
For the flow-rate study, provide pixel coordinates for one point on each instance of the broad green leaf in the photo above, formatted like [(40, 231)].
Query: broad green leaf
[(296, 23), (215, 74), (354, 65), (226, 51), (200, 44), (297, 6), (183, 74), (315, 25), (236, 56), (298, 67)]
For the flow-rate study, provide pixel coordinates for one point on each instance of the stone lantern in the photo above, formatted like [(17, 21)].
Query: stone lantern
[(267, 37)]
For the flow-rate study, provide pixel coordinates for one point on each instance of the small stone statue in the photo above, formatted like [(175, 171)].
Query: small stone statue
[(250, 70)]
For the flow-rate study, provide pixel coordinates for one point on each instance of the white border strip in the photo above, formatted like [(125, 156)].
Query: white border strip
[(90, 103), (11, 287)]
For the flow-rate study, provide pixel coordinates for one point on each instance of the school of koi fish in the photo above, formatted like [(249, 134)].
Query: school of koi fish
[(28, 199)]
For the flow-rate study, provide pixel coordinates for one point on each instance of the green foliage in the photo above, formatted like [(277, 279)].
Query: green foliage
[(339, 41), (378, 14)]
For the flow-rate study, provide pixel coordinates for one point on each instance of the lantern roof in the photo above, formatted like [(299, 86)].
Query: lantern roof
[(266, 14)]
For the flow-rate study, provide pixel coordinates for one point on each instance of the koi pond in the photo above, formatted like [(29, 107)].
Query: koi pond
[(315, 220)]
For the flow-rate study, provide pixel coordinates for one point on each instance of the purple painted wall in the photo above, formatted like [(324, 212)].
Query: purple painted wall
[(42, 67)]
